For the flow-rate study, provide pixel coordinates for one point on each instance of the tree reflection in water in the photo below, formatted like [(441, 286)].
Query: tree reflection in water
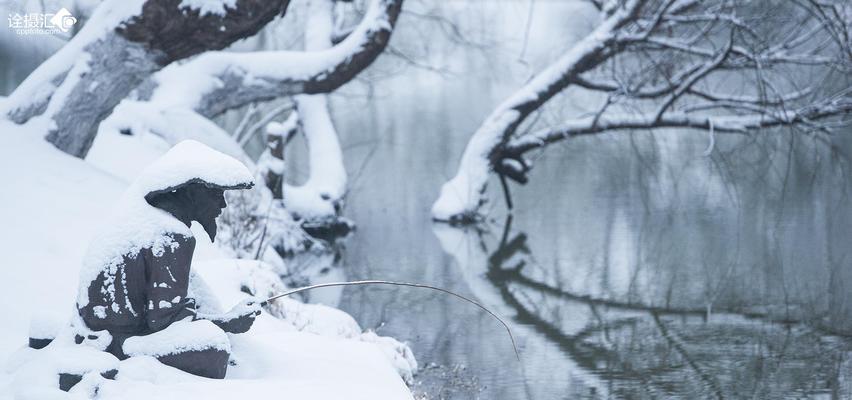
[(645, 350)]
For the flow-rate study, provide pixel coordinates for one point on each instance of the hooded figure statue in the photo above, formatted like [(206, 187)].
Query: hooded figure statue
[(136, 274)]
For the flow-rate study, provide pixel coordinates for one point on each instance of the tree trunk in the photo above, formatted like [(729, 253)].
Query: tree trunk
[(116, 66), (118, 49), (274, 177)]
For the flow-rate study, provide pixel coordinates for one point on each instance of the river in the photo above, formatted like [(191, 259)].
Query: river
[(631, 267)]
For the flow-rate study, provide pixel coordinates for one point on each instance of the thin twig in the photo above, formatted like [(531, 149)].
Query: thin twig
[(263, 121), (506, 194)]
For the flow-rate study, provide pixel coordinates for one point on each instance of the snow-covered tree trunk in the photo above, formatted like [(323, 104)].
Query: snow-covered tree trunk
[(92, 88), (123, 43), (320, 196), (271, 163), (274, 177)]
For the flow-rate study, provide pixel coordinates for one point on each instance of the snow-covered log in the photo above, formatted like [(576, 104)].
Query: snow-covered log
[(659, 64), (121, 45)]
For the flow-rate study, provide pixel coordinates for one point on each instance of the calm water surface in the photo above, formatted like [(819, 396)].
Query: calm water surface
[(618, 281)]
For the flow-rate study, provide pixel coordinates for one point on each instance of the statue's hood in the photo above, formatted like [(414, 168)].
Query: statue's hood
[(192, 162)]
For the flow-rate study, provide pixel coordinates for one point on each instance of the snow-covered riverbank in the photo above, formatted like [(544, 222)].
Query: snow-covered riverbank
[(52, 205)]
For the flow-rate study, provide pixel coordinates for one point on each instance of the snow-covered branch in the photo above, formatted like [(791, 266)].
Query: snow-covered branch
[(320, 197), (739, 124), (121, 45), (215, 82), (461, 196), (668, 60)]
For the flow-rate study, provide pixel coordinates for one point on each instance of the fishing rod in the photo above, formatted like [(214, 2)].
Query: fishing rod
[(393, 283)]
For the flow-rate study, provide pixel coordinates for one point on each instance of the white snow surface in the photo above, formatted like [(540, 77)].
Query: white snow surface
[(58, 208), (261, 278), (43, 326), (204, 7), (34, 372), (172, 124), (178, 337), (188, 160)]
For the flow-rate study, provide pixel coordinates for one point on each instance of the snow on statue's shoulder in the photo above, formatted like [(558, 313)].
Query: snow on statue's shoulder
[(205, 7), (136, 225)]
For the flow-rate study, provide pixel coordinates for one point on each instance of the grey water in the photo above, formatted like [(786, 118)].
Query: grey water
[(634, 266), (606, 298)]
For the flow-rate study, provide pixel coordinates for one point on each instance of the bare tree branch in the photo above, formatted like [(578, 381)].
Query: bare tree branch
[(226, 80), (728, 66), (721, 124), (462, 194)]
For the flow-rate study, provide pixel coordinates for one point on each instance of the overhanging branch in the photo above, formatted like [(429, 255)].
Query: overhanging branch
[(221, 81), (720, 124)]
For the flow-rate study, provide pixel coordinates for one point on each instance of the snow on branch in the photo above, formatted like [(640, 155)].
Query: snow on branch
[(739, 124), (31, 96), (319, 200), (320, 197), (718, 65), (215, 82), (462, 194), (121, 45)]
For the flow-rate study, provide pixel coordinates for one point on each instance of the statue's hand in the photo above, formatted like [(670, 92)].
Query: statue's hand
[(241, 316)]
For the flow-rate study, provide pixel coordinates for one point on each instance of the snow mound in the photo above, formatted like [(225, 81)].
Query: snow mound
[(44, 326), (36, 372), (398, 353), (179, 337), (190, 161), (233, 278), (173, 125)]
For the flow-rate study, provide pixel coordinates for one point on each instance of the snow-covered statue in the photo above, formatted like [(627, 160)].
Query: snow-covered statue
[(136, 275)]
